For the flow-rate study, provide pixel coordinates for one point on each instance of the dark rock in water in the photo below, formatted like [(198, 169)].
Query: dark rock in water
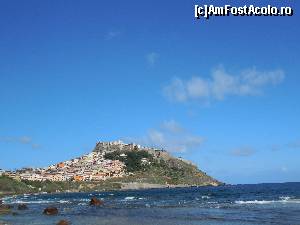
[(96, 201), (22, 207), (51, 211), (5, 209), (63, 222), (3, 206)]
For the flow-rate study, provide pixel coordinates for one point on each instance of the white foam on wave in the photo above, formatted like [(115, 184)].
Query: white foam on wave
[(31, 202), (7, 199), (64, 201), (82, 203), (214, 202), (205, 197), (129, 198), (283, 200), (84, 200), (24, 201), (261, 202)]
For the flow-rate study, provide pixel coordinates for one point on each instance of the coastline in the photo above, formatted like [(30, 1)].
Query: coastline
[(130, 186), (141, 186)]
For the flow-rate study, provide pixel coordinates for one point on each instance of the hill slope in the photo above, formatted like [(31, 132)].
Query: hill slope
[(144, 167), (111, 165)]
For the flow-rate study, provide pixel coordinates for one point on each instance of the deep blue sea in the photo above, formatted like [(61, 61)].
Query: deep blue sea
[(231, 205)]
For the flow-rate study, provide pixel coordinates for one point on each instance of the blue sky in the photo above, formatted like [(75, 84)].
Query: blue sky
[(223, 93)]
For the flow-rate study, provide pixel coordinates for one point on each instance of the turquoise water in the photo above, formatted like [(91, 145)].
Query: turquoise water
[(226, 205)]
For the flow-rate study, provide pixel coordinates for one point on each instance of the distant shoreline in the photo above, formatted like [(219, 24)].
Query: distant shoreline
[(132, 186)]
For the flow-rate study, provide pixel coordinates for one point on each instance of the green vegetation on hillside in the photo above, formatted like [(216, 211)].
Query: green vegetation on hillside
[(159, 171), (132, 160), (11, 186), (173, 172)]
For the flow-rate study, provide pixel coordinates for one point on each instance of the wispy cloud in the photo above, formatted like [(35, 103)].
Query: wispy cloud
[(172, 137), (243, 152), (172, 126), (294, 144), (112, 34), (276, 147), (25, 140), (152, 58), (35, 146), (222, 84), (284, 169)]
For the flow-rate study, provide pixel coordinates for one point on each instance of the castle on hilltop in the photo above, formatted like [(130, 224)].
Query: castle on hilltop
[(116, 146), (119, 145)]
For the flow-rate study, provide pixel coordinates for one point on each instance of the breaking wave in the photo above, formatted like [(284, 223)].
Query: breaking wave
[(282, 199), (15, 201), (129, 198)]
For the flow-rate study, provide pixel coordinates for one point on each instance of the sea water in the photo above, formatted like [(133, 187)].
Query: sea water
[(226, 205)]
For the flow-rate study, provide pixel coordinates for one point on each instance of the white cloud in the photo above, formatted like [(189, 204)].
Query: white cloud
[(112, 34), (276, 147), (243, 152), (25, 140), (284, 169), (35, 146), (197, 87), (221, 84), (156, 137), (294, 144), (176, 90), (172, 126), (152, 58), (171, 137)]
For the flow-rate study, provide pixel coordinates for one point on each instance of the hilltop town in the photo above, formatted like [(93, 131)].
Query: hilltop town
[(112, 165), (90, 167)]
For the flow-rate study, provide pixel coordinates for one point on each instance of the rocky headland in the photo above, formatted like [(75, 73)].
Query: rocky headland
[(110, 166)]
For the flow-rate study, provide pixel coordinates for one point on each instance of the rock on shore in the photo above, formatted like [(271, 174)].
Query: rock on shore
[(63, 222), (96, 202), (51, 211), (22, 207)]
